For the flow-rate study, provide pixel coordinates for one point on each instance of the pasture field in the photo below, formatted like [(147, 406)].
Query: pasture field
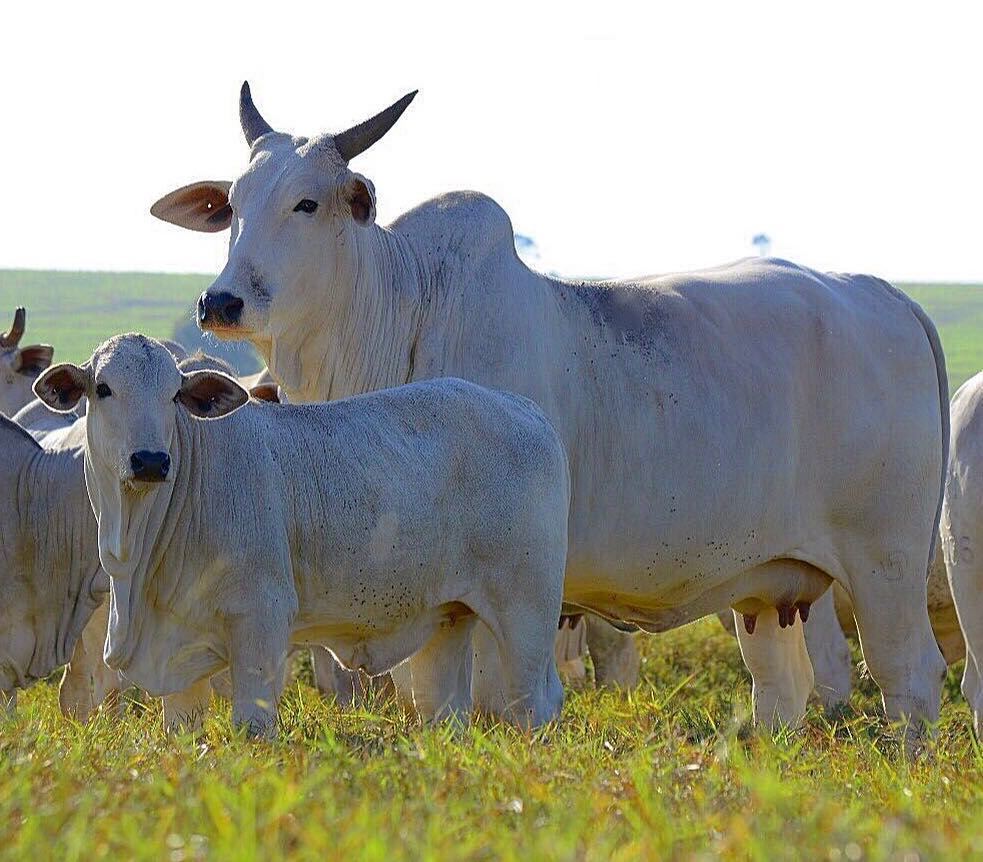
[(76, 311), (669, 771)]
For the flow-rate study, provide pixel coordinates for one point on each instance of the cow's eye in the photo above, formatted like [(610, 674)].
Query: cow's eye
[(306, 206), (103, 391)]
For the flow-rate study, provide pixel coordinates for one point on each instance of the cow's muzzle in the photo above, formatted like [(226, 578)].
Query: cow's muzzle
[(150, 466), (219, 310)]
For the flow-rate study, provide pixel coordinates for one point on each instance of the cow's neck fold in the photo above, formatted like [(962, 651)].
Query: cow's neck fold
[(368, 342), (134, 534)]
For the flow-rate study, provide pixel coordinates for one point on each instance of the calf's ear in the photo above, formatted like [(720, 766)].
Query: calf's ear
[(266, 392), (200, 206), (62, 386), (32, 360), (211, 394)]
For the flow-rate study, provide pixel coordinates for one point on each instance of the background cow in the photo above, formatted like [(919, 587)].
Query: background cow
[(962, 534), (19, 366)]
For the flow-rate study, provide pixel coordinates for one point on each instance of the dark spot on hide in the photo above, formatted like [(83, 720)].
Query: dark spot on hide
[(630, 316), (256, 285)]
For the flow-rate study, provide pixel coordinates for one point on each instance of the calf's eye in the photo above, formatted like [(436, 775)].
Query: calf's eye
[(306, 206), (103, 391)]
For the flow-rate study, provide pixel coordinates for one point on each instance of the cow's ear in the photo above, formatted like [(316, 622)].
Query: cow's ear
[(201, 206), (62, 386), (211, 394), (32, 360), (266, 392), (358, 194)]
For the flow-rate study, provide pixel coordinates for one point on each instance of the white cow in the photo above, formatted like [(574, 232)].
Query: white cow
[(383, 526), (962, 534), (19, 366), (49, 562), (740, 436)]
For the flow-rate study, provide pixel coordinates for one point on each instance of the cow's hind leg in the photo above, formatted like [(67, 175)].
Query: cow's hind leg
[(435, 682), (890, 606), (829, 652), (780, 668), (531, 690), (964, 562)]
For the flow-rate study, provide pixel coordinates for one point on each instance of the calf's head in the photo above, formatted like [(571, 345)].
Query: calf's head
[(136, 391), (19, 366), (293, 214)]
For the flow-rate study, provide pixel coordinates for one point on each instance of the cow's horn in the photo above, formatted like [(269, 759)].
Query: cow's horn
[(252, 122), (359, 138), (9, 340)]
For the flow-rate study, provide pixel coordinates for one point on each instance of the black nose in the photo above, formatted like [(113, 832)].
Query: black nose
[(219, 309), (150, 466)]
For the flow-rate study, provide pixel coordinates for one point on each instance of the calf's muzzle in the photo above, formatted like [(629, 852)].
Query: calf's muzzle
[(150, 466)]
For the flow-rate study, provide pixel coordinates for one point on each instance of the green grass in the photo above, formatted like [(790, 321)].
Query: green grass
[(77, 311), (668, 771)]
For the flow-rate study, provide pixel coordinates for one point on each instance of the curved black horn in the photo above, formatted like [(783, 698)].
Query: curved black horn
[(9, 340), (359, 138), (252, 122)]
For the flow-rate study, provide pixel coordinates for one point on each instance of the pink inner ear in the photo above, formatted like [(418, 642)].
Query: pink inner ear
[(266, 392), (34, 359), (64, 387), (203, 392), (361, 202), (201, 206)]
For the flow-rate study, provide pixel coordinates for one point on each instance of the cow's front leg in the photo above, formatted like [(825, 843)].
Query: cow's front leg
[(257, 657)]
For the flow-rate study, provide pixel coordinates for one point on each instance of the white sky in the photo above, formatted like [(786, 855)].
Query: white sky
[(624, 141)]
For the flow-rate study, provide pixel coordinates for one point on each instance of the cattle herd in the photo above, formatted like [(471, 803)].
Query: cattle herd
[(457, 471)]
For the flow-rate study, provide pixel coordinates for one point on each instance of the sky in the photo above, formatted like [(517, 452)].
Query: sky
[(624, 138)]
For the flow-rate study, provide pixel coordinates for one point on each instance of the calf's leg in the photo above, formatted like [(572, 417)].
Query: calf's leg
[(87, 681), (435, 682), (533, 693), (185, 710)]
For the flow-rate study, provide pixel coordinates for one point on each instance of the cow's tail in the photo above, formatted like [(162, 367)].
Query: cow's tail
[(940, 370), (933, 339)]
